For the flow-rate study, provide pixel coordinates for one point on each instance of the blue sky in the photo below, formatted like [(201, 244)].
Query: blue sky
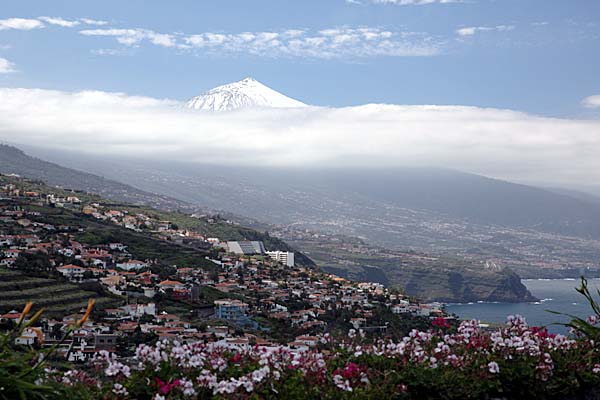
[(537, 56)]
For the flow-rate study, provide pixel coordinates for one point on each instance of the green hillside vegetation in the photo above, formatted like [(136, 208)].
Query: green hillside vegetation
[(59, 298)]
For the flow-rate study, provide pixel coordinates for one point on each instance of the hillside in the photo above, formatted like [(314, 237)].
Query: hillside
[(57, 296), (15, 161), (532, 230), (429, 277), (321, 197)]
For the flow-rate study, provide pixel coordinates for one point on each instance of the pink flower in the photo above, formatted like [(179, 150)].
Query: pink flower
[(165, 388), (440, 322)]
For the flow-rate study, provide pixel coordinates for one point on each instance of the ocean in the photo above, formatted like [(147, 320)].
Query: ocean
[(554, 294)]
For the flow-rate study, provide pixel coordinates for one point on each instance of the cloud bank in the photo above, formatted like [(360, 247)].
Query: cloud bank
[(495, 142), (22, 24), (472, 30), (27, 24), (591, 102), (6, 66), (324, 44)]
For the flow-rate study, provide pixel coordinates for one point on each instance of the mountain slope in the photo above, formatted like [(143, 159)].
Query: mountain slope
[(15, 161), (247, 93), (532, 231), (377, 196)]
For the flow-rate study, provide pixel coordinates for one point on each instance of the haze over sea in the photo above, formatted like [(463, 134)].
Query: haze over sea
[(554, 294)]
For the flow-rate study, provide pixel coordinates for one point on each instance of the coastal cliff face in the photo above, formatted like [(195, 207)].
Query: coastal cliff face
[(462, 285), (447, 284)]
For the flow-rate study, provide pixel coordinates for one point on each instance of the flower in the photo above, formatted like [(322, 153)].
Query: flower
[(493, 367), (341, 383), (164, 387), (120, 389), (440, 322)]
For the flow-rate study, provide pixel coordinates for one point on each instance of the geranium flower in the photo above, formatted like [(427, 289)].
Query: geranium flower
[(494, 367)]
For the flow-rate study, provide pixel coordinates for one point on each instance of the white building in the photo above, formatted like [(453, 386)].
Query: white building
[(71, 271), (137, 310), (284, 257), (132, 265)]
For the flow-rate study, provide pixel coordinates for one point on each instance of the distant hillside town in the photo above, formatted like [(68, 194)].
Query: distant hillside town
[(58, 248)]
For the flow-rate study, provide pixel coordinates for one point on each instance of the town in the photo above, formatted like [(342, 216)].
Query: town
[(236, 293)]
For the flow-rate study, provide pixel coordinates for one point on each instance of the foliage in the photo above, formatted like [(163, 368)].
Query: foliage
[(465, 362), (22, 372)]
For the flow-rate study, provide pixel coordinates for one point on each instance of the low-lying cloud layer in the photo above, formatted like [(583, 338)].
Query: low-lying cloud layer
[(496, 142)]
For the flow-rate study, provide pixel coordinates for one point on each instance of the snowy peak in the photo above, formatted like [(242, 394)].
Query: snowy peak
[(247, 93)]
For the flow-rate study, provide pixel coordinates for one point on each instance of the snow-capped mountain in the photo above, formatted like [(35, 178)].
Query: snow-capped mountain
[(247, 93)]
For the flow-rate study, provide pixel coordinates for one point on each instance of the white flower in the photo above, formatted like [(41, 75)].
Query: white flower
[(341, 383), (119, 389), (494, 368), (188, 387)]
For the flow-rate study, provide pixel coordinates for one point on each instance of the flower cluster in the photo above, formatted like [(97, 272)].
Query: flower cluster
[(354, 365)]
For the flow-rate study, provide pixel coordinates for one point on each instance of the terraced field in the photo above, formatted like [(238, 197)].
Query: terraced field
[(58, 297)]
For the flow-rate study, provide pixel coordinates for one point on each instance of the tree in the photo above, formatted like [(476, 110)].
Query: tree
[(34, 263)]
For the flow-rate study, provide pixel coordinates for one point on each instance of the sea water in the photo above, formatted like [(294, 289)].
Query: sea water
[(554, 294)]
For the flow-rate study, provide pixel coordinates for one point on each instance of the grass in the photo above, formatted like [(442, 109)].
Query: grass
[(57, 296)]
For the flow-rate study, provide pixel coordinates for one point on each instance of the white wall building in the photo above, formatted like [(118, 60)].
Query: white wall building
[(132, 265), (284, 257)]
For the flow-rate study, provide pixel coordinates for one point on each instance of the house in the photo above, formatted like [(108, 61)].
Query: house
[(30, 336), (137, 310), (8, 262), (6, 240), (231, 309), (309, 341), (132, 265), (173, 285), (13, 315), (12, 253), (71, 271), (117, 246)]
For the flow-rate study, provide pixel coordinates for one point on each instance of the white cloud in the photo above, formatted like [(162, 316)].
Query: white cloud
[(6, 66), (59, 21), (133, 37), (109, 52), (591, 102), (26, 24), (472, 30), (23, 24), (495, 142), (97, 22), (327, 43)]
